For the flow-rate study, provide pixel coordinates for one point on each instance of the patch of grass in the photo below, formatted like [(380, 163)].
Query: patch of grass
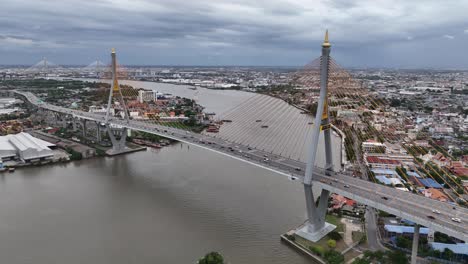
[(334, 220), (357, 235)]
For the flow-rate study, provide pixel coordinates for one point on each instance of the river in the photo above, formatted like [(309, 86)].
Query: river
[(171, 205), (160, 206)]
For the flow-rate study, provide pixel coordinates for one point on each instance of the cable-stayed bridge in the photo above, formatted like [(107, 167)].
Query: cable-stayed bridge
[(404, 204), (241, 142)]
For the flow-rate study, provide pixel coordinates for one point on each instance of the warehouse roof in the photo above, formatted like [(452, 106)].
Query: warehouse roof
[(5, 144), (25, 146), (23, 141), (460, 248)]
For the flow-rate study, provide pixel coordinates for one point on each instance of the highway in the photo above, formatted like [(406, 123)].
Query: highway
[(406, 205)]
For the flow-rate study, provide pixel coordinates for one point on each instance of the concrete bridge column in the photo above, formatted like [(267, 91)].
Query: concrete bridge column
[(84, 128), (414, 251), (316, 227), (98, 132), (75, 128), (118, 145), (60, 121)]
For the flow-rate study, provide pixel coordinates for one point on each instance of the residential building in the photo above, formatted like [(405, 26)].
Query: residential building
[(435, 194), (372, 146)]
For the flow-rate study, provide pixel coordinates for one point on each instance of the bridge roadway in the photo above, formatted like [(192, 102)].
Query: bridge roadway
[(406, 205)]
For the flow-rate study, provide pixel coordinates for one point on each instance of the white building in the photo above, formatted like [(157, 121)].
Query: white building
[(7, 102), (25, 147), (147, 96), (372, 146)]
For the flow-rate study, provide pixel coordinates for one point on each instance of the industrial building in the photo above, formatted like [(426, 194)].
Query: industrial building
[(24, 147)]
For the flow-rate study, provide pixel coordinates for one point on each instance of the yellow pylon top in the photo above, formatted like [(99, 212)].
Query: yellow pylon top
[(325, 42)]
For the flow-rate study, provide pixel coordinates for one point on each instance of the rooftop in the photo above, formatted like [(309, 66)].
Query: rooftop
[(405, 229), (460, 248)]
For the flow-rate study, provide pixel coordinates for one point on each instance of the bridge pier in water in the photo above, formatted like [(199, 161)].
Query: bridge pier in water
[(316, 227), (118, 145)]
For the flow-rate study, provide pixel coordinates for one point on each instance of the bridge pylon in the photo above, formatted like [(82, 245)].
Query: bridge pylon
[(118, 145), (316, 227)]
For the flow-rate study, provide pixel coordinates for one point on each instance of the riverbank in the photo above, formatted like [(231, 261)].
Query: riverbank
[(348, 234), (65, 150)]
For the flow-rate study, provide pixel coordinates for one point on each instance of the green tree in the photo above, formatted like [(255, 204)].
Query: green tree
[(395, 103), (361, 261), (318, 250), (334, 235), (403, 242), (397, 257), (75, 155), (447, 254), (333, 257), (331, 243), (212, 258)]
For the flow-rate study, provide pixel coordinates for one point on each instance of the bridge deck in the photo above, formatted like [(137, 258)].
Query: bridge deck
[(407, 205)]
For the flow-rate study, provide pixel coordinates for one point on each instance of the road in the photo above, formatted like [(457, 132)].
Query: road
[(372, 230), (406, 205)]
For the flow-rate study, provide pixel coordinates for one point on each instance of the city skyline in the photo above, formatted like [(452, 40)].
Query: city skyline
[(365, 34)]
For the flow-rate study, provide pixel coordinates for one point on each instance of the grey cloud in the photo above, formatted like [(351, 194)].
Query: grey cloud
[(238, 31)]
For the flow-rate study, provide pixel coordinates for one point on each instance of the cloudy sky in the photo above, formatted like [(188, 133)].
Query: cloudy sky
[(364, 33)]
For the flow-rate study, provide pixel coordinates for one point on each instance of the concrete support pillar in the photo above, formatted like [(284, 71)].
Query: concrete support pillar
[(63, 120), (118, 146), (84, 128), (311, 208), (316, 227), (414, 252), (98, 132), (74, 125)]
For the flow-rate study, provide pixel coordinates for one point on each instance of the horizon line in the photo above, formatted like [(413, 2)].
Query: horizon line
[(253, 66)]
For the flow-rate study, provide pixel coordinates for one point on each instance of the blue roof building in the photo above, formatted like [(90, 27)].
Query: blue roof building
[(430, 183), (384, 171), (413, 173), (384, 180), (460, 248), (397, 229)]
